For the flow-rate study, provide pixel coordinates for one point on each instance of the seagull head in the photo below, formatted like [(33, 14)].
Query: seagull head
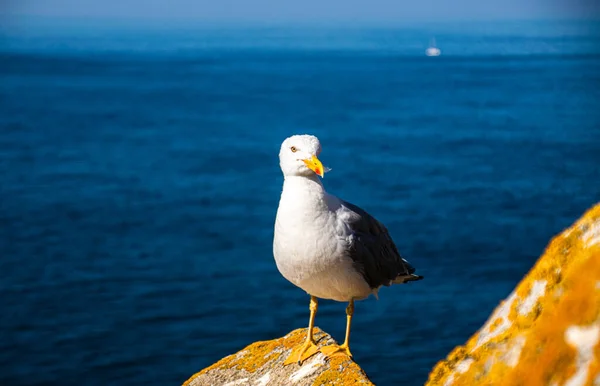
[(298, 156)]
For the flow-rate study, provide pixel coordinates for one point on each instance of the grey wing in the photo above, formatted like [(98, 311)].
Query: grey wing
[(373, 251)]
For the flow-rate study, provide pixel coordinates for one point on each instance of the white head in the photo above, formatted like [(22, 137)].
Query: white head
[(298, 156)]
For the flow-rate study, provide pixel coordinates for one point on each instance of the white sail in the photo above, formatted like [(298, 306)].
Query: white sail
[(432, 50)]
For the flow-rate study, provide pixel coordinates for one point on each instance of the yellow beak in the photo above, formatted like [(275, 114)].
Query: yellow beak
[(315, 165)]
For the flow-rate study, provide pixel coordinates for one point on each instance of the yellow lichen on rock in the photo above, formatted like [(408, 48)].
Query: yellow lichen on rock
[(261, 363), (547, 332)]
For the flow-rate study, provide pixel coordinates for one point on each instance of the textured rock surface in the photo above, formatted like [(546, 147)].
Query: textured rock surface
[(261, 364), (547, 332)]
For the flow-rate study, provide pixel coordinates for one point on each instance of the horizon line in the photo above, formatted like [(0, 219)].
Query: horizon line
[(16, 19)]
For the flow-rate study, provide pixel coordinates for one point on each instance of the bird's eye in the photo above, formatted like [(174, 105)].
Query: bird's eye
[(293, 149)]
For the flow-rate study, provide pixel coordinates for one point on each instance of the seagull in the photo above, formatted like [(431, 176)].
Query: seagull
[(326, 246)]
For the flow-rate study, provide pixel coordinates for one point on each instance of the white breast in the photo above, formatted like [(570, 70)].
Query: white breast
[(310, 246)]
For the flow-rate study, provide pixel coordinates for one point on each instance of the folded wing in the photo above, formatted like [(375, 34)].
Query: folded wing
[(372, 250)]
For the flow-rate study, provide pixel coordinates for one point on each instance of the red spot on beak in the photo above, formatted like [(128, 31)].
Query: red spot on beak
[(318, 171)]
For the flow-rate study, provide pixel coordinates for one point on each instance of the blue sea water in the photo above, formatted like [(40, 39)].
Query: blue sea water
[(140, 182)]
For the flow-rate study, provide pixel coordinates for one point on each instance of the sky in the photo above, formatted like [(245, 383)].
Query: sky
[(300, 10)]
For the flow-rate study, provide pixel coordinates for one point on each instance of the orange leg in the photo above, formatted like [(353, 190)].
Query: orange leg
[(309, 348), (344, 349)]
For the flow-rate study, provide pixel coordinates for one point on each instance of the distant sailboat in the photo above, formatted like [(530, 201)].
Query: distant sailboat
[(432, 50)]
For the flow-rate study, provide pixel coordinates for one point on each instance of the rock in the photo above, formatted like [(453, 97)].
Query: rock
[(261, 364), (547, 332)]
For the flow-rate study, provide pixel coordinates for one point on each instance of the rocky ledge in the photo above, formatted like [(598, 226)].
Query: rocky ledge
[(261, 364), (547, 331)]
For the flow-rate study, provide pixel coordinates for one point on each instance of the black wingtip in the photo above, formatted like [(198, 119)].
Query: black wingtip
[(413, 277), (407, 278)]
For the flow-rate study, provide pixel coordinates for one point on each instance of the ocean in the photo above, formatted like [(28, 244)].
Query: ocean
[(140, 182)]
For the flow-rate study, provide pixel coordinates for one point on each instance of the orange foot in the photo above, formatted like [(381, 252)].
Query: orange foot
[(302, 353), (334, 350)]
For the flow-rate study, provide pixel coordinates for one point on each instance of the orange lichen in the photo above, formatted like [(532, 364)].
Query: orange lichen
[(497, 322), (343, 371), (297, 337), (533, 349), (254, 357), (339, 370), (258, 353)]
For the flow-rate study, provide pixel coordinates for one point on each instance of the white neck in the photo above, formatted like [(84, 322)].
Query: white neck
[(310, 182), (303, 193)]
